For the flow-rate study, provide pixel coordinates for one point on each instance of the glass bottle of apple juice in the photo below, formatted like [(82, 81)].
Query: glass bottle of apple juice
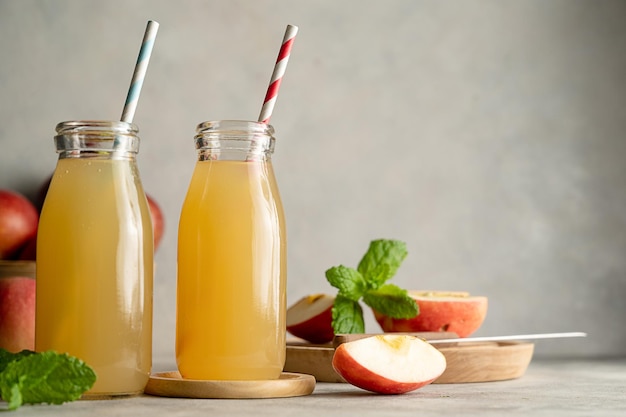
[(230, 322), (95, 257)]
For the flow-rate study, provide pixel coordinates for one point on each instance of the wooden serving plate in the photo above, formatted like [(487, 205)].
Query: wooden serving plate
[(171, 384), (484, 361), (466, 362)]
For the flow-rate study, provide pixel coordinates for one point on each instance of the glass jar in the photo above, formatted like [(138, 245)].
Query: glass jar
[(95, 257), (230, 322)]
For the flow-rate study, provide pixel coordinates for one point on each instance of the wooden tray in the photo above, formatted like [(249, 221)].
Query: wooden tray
[(466, 362), (170, 384)]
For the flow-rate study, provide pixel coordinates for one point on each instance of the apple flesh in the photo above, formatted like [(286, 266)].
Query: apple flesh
[(439, 311), (389, 364), (311, 318), (17, 313), (158, 221), (18, 223)]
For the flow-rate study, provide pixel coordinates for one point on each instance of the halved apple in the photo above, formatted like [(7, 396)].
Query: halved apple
[(389, 364), (440, 311), (311, 318)]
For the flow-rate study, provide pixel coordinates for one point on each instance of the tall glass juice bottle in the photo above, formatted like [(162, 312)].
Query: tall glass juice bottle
[(95, 257), (232, 258)]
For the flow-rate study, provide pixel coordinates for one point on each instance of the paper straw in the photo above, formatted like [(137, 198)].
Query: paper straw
[(277, 75), (140, 71)]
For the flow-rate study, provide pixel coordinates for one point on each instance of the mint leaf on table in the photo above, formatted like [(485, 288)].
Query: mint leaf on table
[(378, 265), (382, 260), (7, 357), (46, 377), (393, 301), (347, 316), (350, 282)]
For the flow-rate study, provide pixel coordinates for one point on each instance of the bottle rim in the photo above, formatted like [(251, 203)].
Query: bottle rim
[(235, 127), (77, 126)]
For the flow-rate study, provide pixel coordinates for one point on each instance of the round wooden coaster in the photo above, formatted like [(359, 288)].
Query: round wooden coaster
[(171, 384)]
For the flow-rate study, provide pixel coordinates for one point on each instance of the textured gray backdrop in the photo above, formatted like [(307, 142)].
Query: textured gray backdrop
[(489, 135)]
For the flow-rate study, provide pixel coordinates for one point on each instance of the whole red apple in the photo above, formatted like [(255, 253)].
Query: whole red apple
[(158, 221), (440, 311), (17, 313), (18, 223), (29, 250), (389, 364), (42, 192), (311, 318)]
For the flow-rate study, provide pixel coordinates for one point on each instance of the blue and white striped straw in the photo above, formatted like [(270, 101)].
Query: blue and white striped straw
[(140, 71)]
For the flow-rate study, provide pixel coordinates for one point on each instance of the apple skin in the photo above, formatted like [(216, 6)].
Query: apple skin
[(29, 251), (158, 221), (42, 192), (318, 329), (17, 313), (459, 313), (18, 223), (413, 361)]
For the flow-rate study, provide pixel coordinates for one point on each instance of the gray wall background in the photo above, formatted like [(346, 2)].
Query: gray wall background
[(489, 135)]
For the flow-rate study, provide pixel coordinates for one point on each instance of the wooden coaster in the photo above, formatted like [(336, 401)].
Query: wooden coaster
[(171, 384)]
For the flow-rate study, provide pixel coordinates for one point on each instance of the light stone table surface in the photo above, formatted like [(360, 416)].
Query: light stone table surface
[(582, 387)]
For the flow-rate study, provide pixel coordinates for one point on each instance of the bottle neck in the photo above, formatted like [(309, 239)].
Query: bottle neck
[(97, 139), (234, 140)]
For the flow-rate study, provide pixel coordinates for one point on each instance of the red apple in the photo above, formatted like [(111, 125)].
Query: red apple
[(311, 318), (18, 223), (17, 313), (440, 311), (42, 192), (29, 251), (389, 364), (158, 221)]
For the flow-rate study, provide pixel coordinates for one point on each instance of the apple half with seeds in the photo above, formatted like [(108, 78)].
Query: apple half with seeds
[(389, 364), (311, 318), (440, 311)]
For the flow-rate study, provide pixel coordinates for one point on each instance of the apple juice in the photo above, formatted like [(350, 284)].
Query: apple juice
[(95, 258), (231, 259)]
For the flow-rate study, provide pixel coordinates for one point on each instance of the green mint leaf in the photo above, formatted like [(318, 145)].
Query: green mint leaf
[(349, 282), (46, 377), (381, 261), (7, 357), (347, 316), (392, 301), (14, 397)]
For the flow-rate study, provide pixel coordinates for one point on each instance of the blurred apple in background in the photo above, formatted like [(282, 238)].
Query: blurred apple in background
[(41, 193), (29, 251), (17, 313), (158, 221), (18, 223)]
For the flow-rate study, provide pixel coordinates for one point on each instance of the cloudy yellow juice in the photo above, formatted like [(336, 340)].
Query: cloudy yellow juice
[(94, 272), (231, 273)]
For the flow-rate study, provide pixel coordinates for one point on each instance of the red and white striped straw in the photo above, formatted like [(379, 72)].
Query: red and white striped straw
[(277, 75)]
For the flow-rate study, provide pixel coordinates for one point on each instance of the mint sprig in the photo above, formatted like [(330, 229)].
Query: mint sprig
[(367, 282), (47, 377)]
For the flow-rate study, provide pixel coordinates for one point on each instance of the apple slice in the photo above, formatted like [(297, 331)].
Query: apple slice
[(440, 311), (389, 364), (311, 318)]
